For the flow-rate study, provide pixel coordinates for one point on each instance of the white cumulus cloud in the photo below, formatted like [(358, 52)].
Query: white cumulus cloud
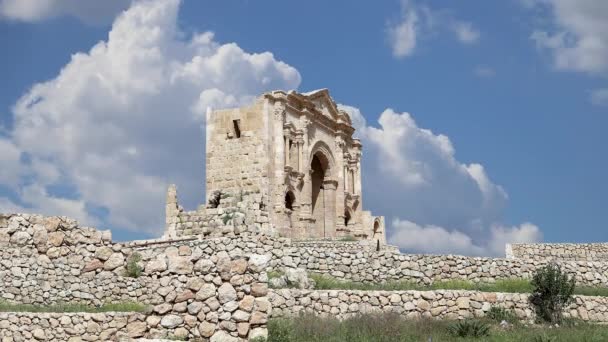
[(418, 21), (434, 202), (121, 121), (88, 11), (576, 35), (434, 239)]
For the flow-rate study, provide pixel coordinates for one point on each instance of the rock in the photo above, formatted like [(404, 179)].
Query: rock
[(278, 283), (103, 253), (463, 303), (184, 296), (56, 238), (423, 305), (20, 238), (52, 223), (258, 318), (39, 334), (240, 316), (258, 262), (298, 277), (206, 291), (258, 333), (171, 321), (92, 265), (195, 307), (180, 265), (259, 289), (114, 261), (204, 266), (184, 250), (226, 293), (4, 236), (162, 309), (206, 329), (156, 265), (222, 336), (40, 235), (238, 266), (247, 303)]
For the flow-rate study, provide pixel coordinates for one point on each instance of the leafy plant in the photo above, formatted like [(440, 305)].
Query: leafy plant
[(499, 314), (133, 269), (469, 328), (552, 292)]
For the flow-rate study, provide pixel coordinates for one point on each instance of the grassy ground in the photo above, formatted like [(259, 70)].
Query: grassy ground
[(325, 282), (391, 327), (118, 307)]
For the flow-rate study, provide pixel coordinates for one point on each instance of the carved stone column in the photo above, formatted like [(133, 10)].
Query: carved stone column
[(329, 199), (287, 137)]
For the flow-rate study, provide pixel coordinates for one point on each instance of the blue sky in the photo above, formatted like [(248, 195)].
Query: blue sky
[(516, 87)]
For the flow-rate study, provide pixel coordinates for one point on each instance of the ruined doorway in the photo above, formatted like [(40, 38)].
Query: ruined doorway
[(319, 166)]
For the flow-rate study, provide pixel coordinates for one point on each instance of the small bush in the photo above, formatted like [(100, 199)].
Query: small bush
[(552, 291), (133, 269), (498, 314), (469, 329)]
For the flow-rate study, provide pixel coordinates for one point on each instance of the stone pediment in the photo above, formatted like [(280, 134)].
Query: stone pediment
[(324, 104), (317, 101)]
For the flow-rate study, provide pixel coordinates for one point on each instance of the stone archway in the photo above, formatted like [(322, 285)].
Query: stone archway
[(323, 192)]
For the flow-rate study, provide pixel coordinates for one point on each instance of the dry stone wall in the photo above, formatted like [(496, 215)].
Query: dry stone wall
[(443, 304), (203, 287), (559, 251), (341, 260)]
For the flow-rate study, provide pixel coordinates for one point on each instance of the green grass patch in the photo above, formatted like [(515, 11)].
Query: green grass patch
[(392, 327), (274, 274), (326, 282), (73, 307)]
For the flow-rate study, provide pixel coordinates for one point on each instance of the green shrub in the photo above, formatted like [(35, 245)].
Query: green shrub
[(133, 269), (552, 291), (499, 314), (469, 328)]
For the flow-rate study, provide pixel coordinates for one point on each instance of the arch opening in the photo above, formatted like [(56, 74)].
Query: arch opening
[(347, 218), (319, 166), (290, 199)]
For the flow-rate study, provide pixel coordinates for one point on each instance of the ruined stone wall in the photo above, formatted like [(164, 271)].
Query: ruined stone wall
[(442, 304), (238, 163), (206, 287), (559, 251), (236, 213)]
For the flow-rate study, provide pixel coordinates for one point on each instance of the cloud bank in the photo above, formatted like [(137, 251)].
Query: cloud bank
[(433, 202)]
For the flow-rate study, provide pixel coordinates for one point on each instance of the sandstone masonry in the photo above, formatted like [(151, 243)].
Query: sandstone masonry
[(286, 165)]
